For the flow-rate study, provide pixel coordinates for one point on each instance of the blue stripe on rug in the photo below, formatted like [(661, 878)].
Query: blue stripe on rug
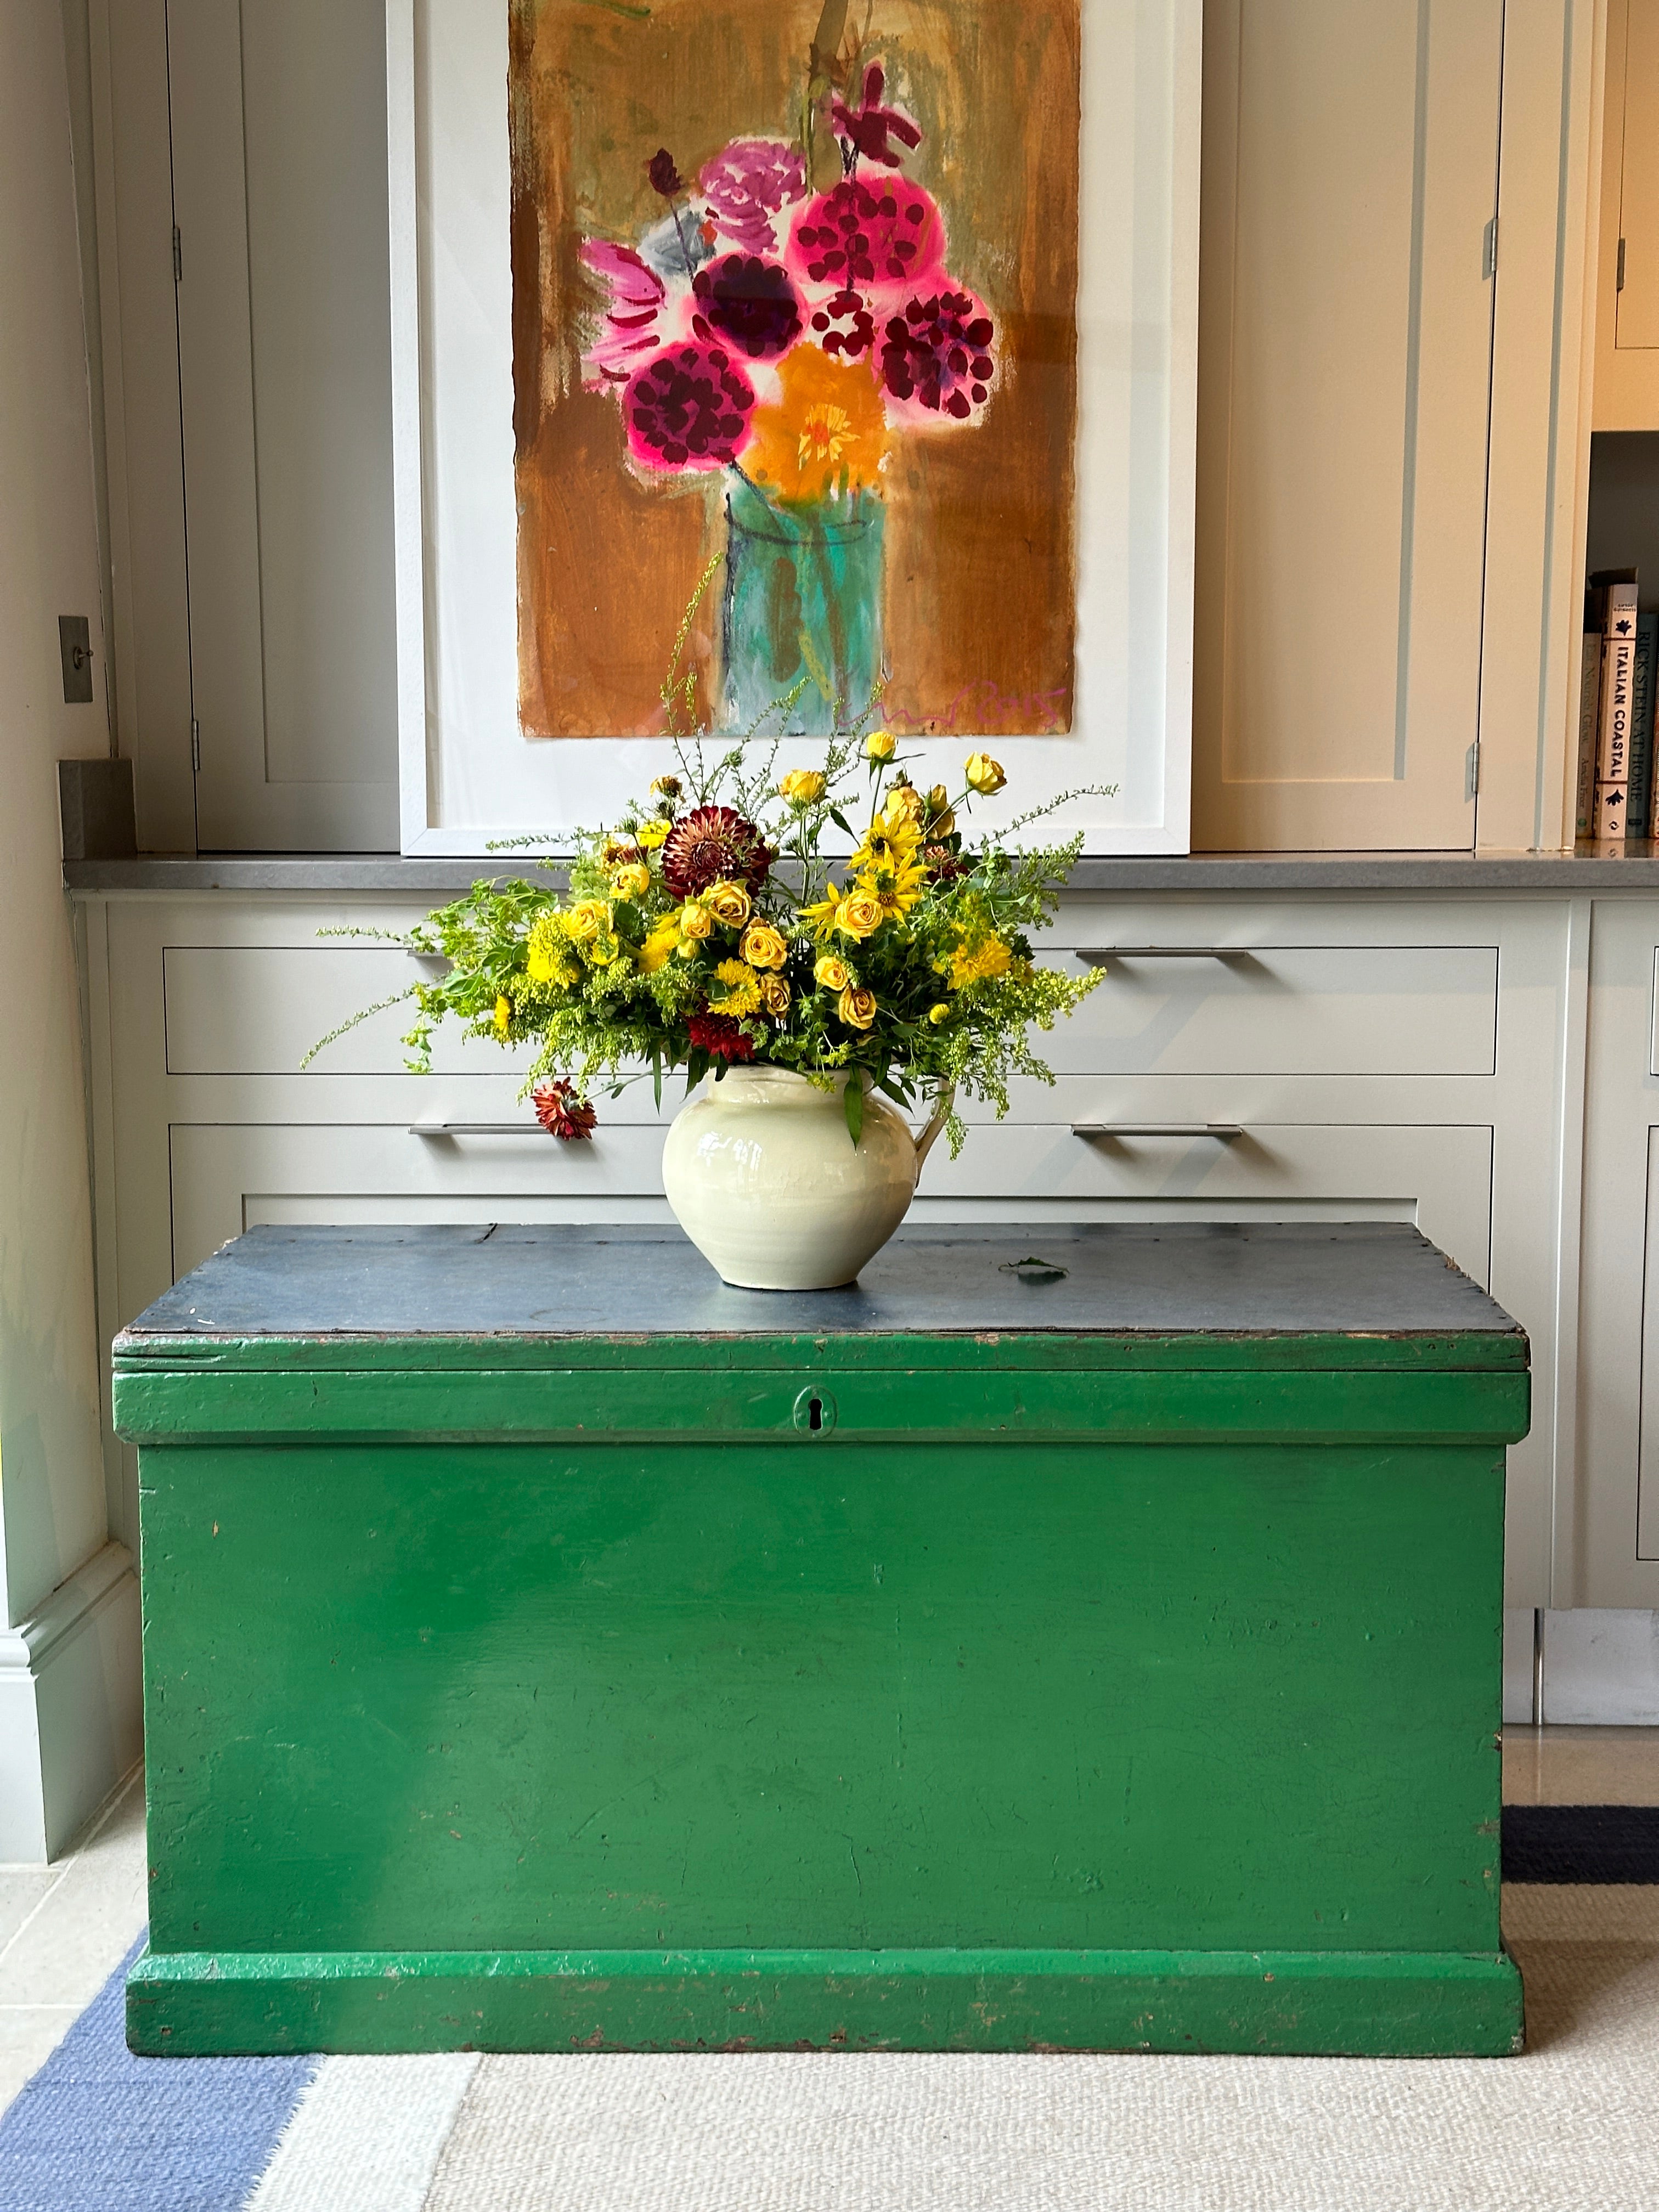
[(99, 2131)]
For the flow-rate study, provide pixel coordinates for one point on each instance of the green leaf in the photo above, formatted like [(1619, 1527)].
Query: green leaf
[(656, 1077), (852, 1101), (841, 821)]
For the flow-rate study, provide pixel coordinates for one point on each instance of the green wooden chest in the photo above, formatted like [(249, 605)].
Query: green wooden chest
[(1082, 1638)]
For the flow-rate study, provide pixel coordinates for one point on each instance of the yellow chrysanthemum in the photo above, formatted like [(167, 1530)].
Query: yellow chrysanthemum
[(547, 953), (989, 957), (659, 942), (743, 991), (939, 1013)]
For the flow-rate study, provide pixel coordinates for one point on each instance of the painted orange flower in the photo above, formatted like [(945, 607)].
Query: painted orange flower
[(827, 435)]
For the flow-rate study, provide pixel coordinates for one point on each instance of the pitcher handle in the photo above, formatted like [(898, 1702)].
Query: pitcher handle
[(940, 1115)]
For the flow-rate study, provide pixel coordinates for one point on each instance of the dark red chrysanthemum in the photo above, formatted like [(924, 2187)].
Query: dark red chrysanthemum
[(859, 234), (844, 326), (747, 303), (714, 845), (940, 354), (719, 1037), (688, 408), (562, 1110)]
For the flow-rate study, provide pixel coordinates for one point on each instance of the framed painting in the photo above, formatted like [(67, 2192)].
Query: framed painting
[(767, 370)]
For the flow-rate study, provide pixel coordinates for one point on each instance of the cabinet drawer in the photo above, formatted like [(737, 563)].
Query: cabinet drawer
[(1269, 1010), (259, 1009), (225, 1177), (1280, 1010)]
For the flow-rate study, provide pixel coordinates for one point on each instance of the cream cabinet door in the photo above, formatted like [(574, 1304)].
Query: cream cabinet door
[(1627, 272), (1345, 354)]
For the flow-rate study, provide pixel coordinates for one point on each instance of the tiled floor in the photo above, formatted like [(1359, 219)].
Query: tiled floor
[(63, 1928)]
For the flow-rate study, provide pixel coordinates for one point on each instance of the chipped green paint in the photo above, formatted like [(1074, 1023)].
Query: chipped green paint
[(1061, 1694)]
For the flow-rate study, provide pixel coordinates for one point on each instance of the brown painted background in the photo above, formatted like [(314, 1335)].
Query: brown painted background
[(981, 561)]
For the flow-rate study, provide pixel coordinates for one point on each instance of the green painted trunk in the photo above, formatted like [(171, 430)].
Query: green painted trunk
[(1067, 1685)]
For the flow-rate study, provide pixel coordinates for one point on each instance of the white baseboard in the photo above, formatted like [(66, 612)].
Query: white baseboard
[(71, 1706), (1601, 1667)]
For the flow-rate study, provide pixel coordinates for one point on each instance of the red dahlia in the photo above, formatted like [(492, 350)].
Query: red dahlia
[(714, 845), (561, 1110), (719, 1037)]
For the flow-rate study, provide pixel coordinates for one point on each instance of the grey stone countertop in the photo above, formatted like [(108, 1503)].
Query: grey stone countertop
[(1634, 868)]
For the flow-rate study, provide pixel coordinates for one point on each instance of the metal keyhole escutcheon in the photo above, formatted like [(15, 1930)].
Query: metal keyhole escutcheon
[(815, 1411)]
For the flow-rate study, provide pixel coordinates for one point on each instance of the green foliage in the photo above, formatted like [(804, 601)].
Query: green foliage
[(910, 963)]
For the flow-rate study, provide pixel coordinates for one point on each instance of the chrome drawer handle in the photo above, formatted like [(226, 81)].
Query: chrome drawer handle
[(1096, 956), (476, 1129), (1223, 1129)]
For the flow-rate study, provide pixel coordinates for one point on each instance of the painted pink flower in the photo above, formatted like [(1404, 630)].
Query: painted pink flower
[(862, 236), (687, 407), (937, 357), (867, 129), (843, 326), (632, 323), (747, 303), (750, 184)]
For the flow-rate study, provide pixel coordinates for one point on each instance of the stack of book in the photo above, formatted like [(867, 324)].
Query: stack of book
[(1616, 783)]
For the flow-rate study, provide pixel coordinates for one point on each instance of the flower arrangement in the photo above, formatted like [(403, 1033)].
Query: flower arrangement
[(780, 337), (710, 928)]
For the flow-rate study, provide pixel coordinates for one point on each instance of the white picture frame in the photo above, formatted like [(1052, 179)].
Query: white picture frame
[(468, 778)]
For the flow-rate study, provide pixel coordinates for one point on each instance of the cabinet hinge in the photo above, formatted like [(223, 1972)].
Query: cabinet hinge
[(195, 746), (1472, 770), (1618, 281), (1489, 249), (178, 256)]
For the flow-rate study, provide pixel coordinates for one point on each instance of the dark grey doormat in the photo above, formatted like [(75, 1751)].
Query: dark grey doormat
[(1581, 1842)]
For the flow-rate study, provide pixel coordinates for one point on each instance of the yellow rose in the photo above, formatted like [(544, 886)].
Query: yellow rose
[(661, 941), (856, 1007), (586, 920), (880, 745), (835, 975), (903, 805), (801, 786), (858, 914), (763, 947), (652, 834), (503, 1016), (939, 1013), (728, 903), (695, 921), (774, 995), (984, 775), (633, 881)]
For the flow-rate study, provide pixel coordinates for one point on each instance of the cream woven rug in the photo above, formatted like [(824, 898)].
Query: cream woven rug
[(1573, 2126)]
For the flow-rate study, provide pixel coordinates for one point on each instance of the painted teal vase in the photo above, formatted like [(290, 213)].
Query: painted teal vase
[(802, 606)]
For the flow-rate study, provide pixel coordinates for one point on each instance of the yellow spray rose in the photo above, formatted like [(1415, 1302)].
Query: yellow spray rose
[(801, 786), (939, 1013), (652, 834), (695, 921), (904, 806), (588, 918), (632, 881), (858, 915), (856, 1007), (984, 775), (835, 975), (763, 947), (880, 745), (729, 903), (774, 995)]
